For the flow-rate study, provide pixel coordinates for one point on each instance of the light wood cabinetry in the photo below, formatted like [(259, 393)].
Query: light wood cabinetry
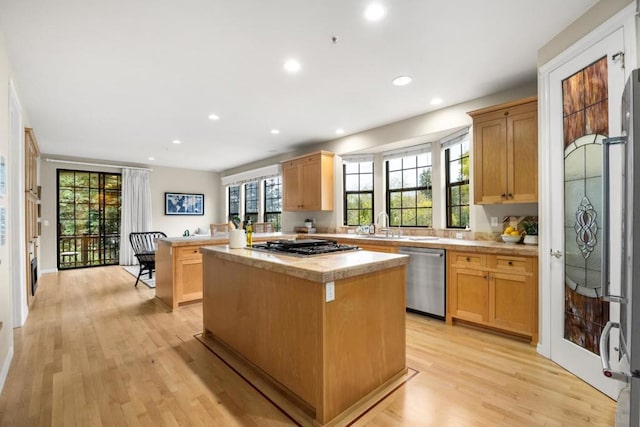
[(495, 291), (32, 200), (505, 152), (308, 182)]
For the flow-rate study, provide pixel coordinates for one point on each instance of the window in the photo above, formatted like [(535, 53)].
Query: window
[(251, 201), (358, 193), (234, 201), (409, 193), (457, 184), (273, 202)]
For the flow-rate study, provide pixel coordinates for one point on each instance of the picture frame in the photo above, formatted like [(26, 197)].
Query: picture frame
[(183, 204)]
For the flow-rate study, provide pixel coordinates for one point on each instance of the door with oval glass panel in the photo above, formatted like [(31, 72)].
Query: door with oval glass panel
[(585, 95)]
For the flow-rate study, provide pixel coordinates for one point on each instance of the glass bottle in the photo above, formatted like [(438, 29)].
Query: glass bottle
[(249, 231)]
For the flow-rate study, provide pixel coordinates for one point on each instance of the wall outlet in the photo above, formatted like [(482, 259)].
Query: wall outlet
[(329, 291), (46, 222), (458, 235), (494, 221)]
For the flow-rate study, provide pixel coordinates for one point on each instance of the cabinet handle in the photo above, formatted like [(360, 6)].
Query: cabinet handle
[(484, 277), (503, 195), (468, 259), (506, 113), (510, 195), (510, 262)]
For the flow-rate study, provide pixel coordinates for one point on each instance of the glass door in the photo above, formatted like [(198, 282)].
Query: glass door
[(88, 218)]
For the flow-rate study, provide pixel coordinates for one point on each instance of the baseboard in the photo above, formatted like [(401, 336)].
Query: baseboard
[(5, 367), (50, 270)]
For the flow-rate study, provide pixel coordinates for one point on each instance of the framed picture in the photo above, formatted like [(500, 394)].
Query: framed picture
[(3, 176), (183, 204)]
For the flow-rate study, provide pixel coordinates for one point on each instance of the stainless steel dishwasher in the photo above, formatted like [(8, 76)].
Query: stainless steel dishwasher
[(425, 280)]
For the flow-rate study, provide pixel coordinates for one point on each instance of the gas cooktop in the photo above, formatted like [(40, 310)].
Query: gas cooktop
[(303, 247)]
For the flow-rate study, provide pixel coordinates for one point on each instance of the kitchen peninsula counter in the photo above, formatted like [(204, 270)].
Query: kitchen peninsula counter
[(179, 265), (325, 330)]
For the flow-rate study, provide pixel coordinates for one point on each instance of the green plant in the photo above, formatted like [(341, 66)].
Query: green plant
[(530, 227)]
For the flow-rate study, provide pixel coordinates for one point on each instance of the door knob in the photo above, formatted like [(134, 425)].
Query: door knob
[(556, 254)]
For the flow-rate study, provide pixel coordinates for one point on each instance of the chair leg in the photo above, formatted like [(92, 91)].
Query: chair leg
[(138, 278)]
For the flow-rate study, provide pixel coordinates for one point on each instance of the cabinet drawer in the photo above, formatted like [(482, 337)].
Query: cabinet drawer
[(512, 263), (188, 252), (469, 260)]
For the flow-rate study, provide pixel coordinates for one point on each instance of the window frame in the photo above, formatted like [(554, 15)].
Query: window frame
[(389, 191), (359, 192), (450, 185), (230, 191), (254, 215), (277, 225)]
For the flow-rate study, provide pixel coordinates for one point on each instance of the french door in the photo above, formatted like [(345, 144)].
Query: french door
[(88, 218), (584, 102)]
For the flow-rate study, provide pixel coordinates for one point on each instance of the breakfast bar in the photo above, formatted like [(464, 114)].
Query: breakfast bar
[(326, 330)]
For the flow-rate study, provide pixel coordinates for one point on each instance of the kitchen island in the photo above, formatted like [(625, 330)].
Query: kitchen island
[(179, 266), (327, 331)]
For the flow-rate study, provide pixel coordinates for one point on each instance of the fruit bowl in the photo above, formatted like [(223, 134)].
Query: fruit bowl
[(507, 238)]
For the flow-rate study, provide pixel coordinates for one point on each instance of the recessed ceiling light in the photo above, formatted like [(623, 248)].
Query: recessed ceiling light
[(375, 12), (275, 131), (436, 101), (152, 158), (339, 131), (401, 80), (214, 117), (177, 141), (292, 65)]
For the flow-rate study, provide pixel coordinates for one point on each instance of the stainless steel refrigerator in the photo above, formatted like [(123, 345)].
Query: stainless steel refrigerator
[(628, 327)]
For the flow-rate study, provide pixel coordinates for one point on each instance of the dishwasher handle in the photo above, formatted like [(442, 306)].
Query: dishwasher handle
[(420, 252)]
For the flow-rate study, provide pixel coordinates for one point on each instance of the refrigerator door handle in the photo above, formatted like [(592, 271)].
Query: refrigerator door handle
[(604, 354), (606, 209)]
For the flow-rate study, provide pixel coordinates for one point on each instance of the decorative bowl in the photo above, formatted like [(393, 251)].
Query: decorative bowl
[(510, 239)]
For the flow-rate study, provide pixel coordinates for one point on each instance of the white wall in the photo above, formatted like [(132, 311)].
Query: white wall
[(6, 294), (163, 179)]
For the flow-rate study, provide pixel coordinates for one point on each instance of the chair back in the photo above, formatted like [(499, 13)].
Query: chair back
[(145, 242), (263, 227)]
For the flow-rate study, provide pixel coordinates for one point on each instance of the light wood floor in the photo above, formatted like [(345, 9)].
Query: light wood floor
[(96, 351)]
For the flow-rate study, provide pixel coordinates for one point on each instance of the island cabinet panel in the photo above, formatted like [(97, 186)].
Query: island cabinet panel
[(496, 291), (325, 356), (308, 182), (505, 152)]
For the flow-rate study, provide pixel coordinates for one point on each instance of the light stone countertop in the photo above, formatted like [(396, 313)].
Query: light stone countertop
[(322, 268), (221, 239), (476, 246)]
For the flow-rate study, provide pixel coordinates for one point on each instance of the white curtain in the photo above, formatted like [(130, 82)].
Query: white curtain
[(135, 210)]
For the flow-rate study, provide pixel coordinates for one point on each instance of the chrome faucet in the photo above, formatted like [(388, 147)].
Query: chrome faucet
[(385, 223)]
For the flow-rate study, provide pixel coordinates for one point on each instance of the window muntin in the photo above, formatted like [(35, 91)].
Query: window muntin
[(234, 201), (409, 191), (457, 184), (251, 201), (273, 202), (358, 193)]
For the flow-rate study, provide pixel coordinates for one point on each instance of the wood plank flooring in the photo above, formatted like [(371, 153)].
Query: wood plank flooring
[(95, 351)]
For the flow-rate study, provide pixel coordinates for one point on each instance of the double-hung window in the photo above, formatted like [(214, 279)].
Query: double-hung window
[(273, 202), (409, 188), (456, 161), (234, 201), (358, 192), (251, 201)]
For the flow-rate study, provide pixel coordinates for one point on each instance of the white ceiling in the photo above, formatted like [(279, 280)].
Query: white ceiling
[(118, 80)]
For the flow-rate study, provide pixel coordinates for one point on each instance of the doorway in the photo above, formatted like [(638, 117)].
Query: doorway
[(88, 216)]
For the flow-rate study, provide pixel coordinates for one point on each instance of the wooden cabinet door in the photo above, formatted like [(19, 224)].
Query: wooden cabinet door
[(189, 279), (511, 302), (311, 184), (291, 186), (522, 155), (469, 294), (490, 163)]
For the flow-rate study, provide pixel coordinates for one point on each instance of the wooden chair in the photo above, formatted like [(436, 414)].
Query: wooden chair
[(218, 229), (263, 227), (144, 248)]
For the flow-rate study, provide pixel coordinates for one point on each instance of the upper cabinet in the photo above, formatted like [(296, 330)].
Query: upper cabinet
[(308, 182), (31, 162), (505, 151)]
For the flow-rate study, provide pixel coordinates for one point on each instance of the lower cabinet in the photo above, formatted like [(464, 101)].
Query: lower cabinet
[(188, 274), (496, 291)]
